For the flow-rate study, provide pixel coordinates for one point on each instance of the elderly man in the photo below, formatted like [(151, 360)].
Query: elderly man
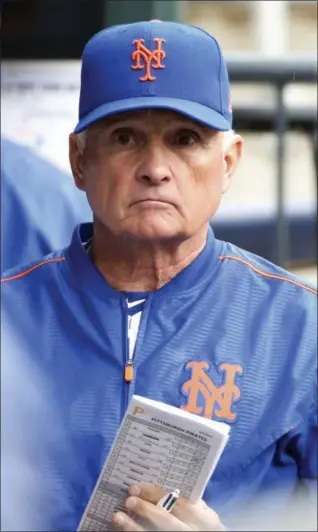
[(146, 300)]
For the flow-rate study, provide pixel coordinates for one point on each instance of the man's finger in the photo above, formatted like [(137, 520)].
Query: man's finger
[(151, 493), (157, 517), (125, 523), (197, 516), (147, 492)]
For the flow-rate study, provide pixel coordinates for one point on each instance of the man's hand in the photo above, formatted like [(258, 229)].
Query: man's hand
[(185, 515)]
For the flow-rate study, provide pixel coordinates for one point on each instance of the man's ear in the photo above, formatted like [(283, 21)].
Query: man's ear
[(76, 162), (232, 157)]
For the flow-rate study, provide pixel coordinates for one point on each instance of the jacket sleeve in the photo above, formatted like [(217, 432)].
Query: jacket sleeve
[(305, 449), (300, 447)]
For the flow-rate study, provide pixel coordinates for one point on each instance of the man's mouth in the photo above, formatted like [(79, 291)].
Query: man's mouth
[(154, 201)]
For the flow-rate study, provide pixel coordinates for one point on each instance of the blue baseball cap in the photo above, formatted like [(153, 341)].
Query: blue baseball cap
[(154, 65)]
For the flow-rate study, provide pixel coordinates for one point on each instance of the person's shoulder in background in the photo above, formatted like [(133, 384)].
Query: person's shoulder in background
[(40, 206)]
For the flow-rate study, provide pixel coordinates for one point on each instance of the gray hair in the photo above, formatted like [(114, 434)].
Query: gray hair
[(82, 137), (81, 140), (228, 138)]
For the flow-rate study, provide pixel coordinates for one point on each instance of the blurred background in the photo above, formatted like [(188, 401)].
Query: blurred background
[(271, 49)]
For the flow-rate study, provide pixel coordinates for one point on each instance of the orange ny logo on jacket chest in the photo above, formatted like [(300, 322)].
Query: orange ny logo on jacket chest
[(207, 399), (145, 59)]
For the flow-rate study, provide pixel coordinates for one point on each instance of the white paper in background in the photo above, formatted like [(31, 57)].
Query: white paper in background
[(39, 105)]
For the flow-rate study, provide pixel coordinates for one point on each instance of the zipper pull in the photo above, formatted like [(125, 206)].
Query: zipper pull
[(129, 371)]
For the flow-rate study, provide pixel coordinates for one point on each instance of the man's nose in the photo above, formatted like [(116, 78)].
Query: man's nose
[(154, 168)]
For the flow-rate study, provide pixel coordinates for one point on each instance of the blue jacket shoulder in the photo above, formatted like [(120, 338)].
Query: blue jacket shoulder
[(264, 274), (33, 272)]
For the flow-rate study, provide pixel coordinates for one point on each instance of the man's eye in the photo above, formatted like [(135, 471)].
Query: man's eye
[(187, 138), (124, 138)]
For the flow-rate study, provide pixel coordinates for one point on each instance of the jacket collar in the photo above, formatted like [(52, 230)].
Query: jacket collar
[(88, 278)]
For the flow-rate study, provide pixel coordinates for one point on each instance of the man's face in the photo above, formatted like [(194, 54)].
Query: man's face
[(151, 175)]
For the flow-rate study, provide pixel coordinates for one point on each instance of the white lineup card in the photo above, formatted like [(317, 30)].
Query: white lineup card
[(156, 444)]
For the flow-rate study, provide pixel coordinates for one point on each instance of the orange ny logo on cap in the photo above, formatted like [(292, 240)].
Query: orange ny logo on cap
[(146, 59)]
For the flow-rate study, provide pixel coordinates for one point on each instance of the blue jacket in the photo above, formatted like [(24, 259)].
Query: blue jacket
[(40, 206), (231, 337)]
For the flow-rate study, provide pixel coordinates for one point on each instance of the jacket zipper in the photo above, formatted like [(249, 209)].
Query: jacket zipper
[(126, 354), (129, 365), (132, 329)]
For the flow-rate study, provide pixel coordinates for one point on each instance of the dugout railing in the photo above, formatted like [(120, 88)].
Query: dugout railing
[(295, 236)]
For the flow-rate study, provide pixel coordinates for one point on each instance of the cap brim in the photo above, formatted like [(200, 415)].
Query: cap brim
[(195, 111)]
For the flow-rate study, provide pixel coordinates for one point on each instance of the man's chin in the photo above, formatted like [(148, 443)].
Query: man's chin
[(154, 236), (154, 226), (155, 232)]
